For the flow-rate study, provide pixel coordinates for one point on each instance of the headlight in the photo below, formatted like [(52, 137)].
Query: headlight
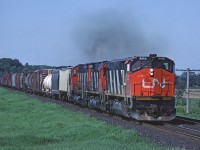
[(151, 72)]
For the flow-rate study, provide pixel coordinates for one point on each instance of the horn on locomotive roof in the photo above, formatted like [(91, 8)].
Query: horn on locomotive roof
[(153, 55)]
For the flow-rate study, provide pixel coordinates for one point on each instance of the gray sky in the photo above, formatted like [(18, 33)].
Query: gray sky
[(69, 32)]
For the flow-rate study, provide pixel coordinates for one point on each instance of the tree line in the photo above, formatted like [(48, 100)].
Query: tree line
[(181, 80), (8, 65)]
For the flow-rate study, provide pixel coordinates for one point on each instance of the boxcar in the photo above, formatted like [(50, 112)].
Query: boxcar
[(17, 81), (55, 83), (64, 83), (13, 80)]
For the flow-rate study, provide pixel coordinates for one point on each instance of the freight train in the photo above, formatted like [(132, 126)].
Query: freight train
[(141, 88)]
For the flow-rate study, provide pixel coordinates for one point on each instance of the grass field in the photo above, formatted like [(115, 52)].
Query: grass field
[(194, 109), (28, 123)]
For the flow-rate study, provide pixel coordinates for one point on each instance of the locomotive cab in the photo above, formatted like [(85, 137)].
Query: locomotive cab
[(150, 83), (152, 62)]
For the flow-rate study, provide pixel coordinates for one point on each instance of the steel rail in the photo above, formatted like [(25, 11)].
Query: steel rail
[(189, 120), (187, 133)]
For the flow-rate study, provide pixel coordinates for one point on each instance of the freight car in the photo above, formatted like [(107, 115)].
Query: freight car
[(57, 84), (13, 80), (37, 79), (141, 88)]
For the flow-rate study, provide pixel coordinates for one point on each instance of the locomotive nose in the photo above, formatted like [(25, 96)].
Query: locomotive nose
[(153, 83)]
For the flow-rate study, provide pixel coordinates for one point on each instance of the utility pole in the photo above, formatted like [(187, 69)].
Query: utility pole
[(187, 101), (188, 80)]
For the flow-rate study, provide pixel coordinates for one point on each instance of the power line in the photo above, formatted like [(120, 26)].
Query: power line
[(187, 69)]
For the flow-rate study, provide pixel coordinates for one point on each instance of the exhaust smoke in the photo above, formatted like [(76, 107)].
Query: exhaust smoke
[(108, 35)]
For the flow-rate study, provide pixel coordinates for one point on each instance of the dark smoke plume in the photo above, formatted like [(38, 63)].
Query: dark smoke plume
[(109, 35)]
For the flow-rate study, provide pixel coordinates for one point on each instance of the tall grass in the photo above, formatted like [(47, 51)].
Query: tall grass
[(27, 123), (194, 107)]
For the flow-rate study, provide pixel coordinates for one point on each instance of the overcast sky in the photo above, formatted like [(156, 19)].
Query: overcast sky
[(68, 32)]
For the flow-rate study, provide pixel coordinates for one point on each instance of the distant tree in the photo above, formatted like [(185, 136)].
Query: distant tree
[(192, 80), (8, 65), (198, 79), (180, 82)]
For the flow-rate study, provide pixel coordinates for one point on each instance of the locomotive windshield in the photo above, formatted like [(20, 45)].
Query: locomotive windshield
[(163, 63)]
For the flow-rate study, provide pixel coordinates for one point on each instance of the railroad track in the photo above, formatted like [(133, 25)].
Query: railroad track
[(188, 120), (181, 131), (184, 131)]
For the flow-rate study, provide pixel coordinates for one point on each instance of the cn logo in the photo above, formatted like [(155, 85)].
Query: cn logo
[(162, 85)]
